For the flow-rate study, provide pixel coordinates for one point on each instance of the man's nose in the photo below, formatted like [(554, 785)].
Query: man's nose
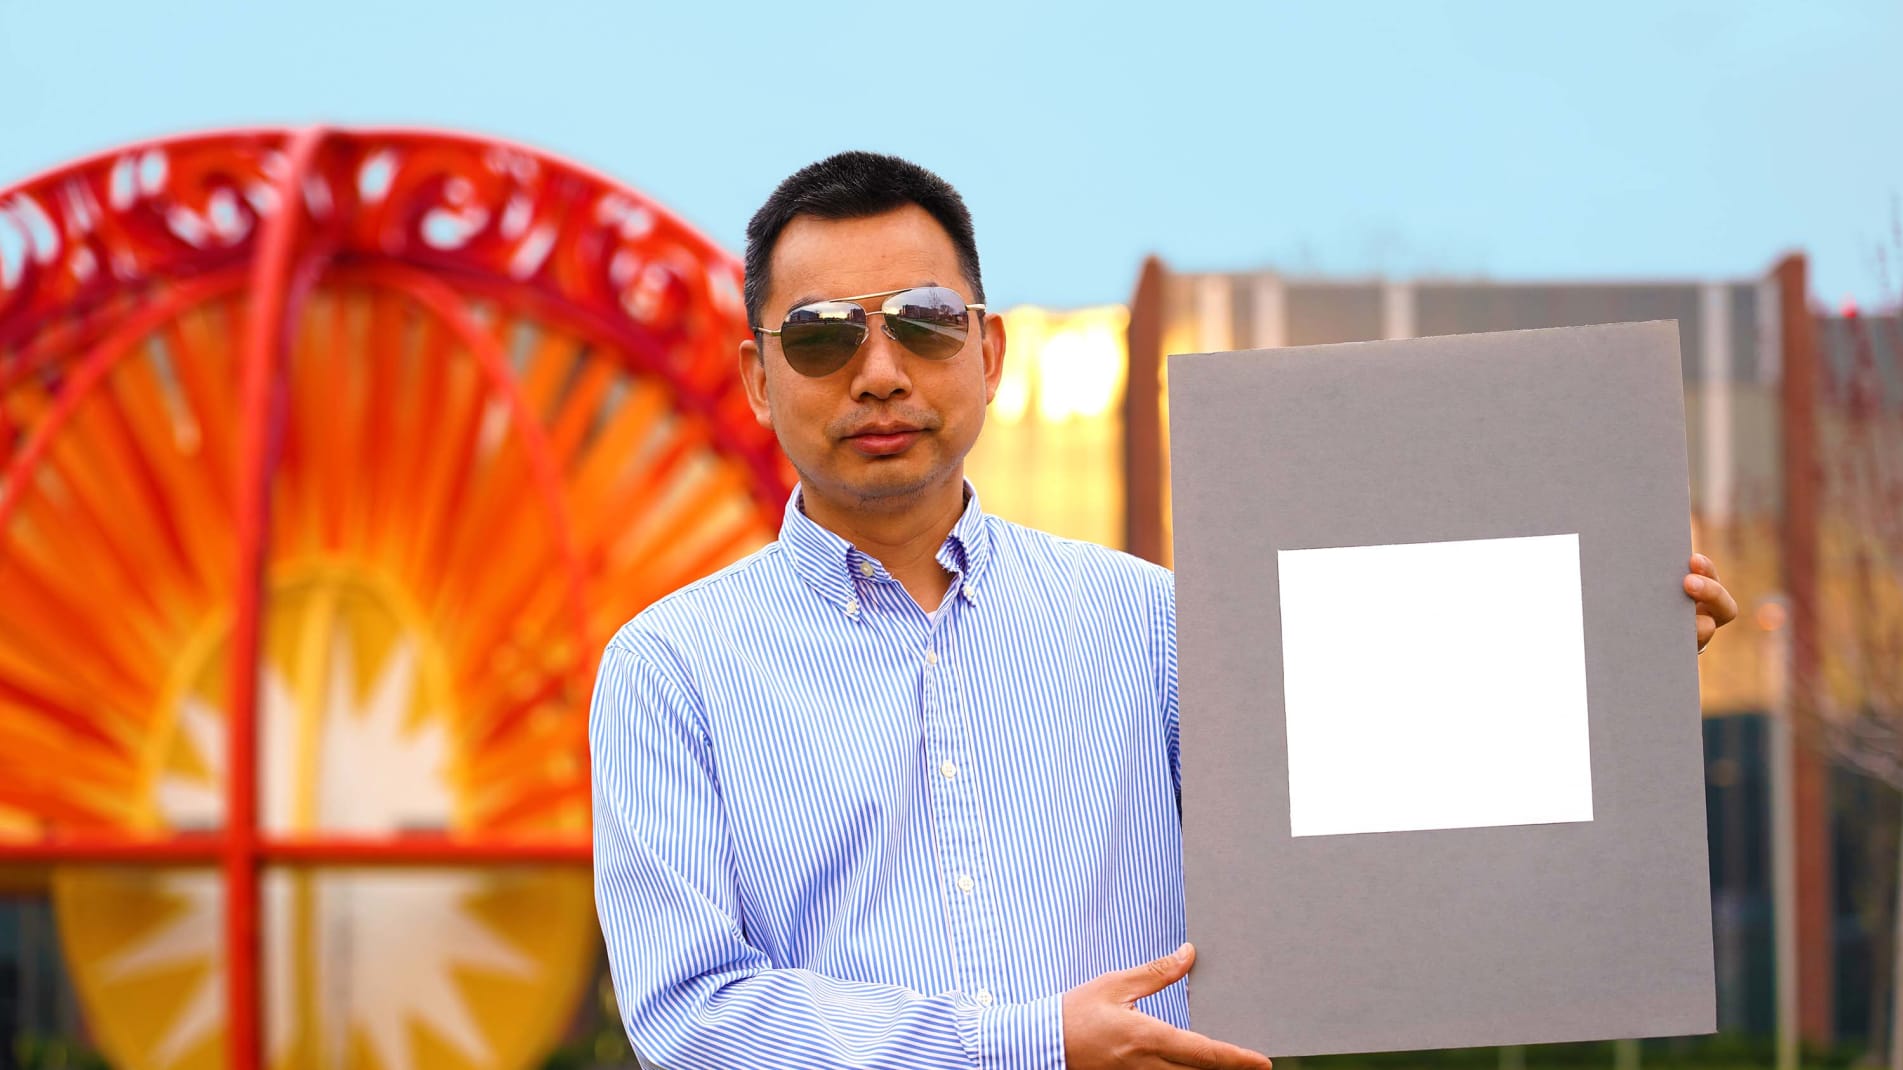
[(881, 367)]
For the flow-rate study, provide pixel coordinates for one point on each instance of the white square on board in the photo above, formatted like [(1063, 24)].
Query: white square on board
[(1435, 685)]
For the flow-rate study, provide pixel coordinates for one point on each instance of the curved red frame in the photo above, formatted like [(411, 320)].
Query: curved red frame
[(409, 208)]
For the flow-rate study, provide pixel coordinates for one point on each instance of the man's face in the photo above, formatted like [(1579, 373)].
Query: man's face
[(890, 426)]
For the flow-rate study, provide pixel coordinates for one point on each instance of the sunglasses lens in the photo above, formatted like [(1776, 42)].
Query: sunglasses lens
[(931, 321), (819, 339)]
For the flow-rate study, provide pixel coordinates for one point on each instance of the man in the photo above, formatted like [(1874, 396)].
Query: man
[(900, 789)]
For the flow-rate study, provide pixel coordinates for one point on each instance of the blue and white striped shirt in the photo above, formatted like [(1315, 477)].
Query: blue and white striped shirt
[(833, 831)]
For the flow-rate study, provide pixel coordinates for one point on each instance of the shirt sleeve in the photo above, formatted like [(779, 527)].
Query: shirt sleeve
[(692, 991), (1163, 650)]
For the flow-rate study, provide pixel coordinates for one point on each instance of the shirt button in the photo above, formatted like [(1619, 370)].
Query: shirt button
[(949, 768), (983, 998), (965, 883), (852, 608), (865, 568), (931, 657)]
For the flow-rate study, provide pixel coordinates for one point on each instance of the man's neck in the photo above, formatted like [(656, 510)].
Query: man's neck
[(905, 539)]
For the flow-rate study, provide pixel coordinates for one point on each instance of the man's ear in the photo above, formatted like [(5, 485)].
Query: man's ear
[(753, 376), (992, 342)]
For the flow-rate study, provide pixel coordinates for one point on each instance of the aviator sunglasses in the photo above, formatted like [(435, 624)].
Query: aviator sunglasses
[(930, 321)]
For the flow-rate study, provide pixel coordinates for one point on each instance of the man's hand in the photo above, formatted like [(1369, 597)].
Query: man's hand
[(1716, 607), (1103, 1028)]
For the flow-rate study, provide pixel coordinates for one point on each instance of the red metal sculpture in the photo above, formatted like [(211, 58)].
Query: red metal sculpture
[(271, 398)]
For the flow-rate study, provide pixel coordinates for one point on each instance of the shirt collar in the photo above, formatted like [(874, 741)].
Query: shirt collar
[(834, 568)]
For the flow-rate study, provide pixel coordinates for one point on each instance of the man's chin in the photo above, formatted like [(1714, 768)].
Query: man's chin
[(883, 480), (890, 486)]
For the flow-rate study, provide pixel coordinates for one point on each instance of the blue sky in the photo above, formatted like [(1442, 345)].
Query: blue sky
[(1510, 140)]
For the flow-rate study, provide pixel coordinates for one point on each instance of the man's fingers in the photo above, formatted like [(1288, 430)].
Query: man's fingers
[(1155, 975), (1712, 598), (1728, 605), (1706, 629), (1704, 585), (1180, 1047)]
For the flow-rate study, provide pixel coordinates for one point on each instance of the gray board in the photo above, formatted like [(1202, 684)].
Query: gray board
[(1446, 937)]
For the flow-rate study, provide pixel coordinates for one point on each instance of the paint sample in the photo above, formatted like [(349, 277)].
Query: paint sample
[(1477, 720)]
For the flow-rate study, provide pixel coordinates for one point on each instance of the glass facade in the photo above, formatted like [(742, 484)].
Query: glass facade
[(1050, 454)]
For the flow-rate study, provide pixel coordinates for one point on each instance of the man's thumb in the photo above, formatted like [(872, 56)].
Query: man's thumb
[(1158, 974)]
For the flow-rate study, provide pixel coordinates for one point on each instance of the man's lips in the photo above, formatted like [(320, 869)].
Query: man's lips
[(884, 441)]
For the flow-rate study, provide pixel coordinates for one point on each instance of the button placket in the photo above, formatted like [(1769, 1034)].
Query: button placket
[(953, 798), (985, 917)]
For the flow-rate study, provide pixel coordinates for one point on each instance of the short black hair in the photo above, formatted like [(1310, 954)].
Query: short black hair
[(853, 185)]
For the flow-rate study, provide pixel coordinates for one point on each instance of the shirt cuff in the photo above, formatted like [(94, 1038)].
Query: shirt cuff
[(1014, 1036)]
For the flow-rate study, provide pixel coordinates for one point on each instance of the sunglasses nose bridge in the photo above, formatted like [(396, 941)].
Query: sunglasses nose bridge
[(883, 344), (881, 359)]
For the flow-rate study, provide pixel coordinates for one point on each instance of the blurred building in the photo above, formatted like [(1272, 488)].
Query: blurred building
[(1796, 466), (1729, 346)]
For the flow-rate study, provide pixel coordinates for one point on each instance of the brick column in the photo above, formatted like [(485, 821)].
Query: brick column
[(1810, 773)]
